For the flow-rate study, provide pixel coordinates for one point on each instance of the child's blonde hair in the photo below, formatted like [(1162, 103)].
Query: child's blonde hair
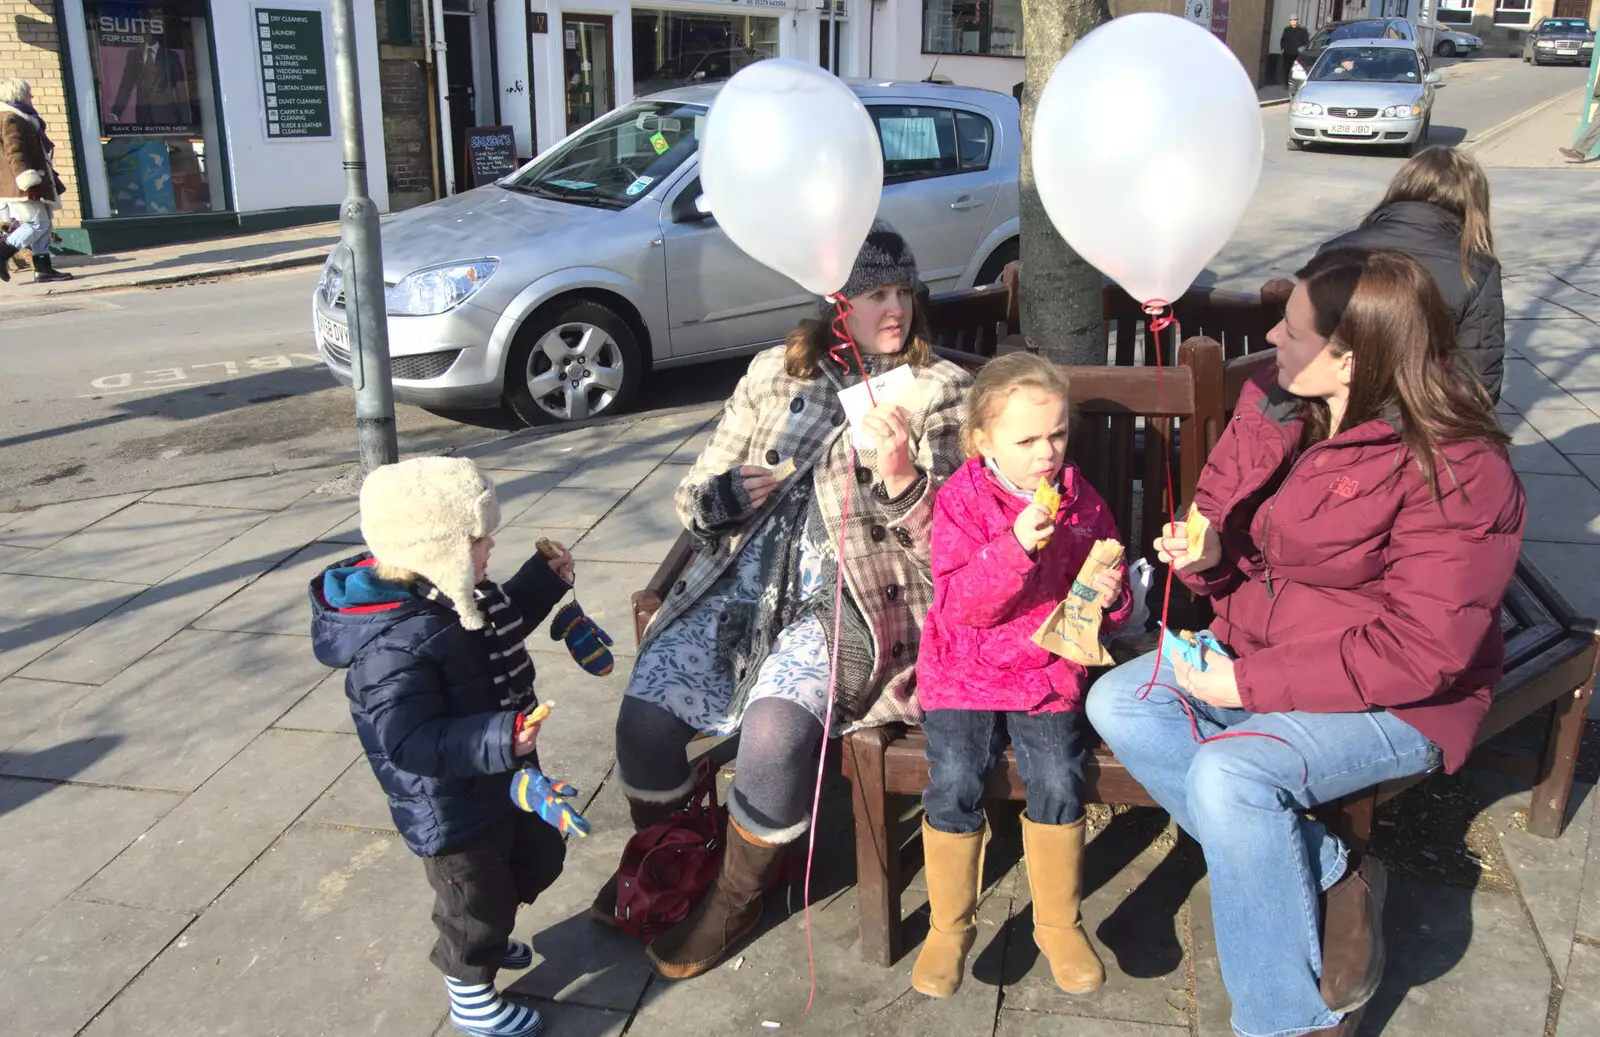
[(1001, 377)]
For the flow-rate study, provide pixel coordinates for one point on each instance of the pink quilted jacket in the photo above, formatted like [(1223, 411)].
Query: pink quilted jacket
[(989, 597)]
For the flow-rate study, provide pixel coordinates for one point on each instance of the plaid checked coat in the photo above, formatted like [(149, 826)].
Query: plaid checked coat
[(773, 416)]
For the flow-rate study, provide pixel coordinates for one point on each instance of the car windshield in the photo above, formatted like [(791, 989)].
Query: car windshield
[(1367, 65), (612, 162), (1566, 24), (1361, 31)]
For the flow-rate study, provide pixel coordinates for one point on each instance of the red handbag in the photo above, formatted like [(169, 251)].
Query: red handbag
[(667, 867)]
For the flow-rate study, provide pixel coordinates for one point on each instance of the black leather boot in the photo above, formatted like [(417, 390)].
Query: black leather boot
[(44, 271), (6, 252)]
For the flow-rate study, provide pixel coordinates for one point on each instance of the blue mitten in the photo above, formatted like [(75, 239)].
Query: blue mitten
[(537, 794), (589, 645), (1174, 646)]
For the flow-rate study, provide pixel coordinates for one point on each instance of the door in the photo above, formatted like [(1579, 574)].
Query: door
[(461, 100), (590, 68), (940, 182), (1571, 9), (718, 298)]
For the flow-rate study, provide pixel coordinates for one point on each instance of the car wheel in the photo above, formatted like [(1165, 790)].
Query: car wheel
[(1447, 49), (573, 361), (1422, 138), (1294, 145), (994, 266)]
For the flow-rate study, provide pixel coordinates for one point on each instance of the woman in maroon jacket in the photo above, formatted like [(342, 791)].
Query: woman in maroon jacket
[(1365, 522)]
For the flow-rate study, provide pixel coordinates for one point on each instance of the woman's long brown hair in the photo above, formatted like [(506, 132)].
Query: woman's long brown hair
[(1453, 181), (1385, 309), (808, 344)]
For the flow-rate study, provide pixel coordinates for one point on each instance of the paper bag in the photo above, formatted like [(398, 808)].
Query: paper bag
[(1073, 629)]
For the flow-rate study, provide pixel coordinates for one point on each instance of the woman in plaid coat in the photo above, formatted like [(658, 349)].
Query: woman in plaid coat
[(745, 640)]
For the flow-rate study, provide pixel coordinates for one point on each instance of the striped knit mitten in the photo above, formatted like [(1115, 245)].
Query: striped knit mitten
[(589, 645), (479, 1010), (537, 794)]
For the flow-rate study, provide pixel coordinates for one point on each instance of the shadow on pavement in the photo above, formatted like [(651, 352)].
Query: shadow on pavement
[(16, 793)]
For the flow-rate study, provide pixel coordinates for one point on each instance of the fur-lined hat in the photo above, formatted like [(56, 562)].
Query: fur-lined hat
[(422, 516)]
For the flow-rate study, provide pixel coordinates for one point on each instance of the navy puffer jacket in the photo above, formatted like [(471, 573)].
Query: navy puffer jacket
[(422, 693)]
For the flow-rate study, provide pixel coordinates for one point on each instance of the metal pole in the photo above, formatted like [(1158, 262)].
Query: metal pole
[(833, 36), (361, 251)]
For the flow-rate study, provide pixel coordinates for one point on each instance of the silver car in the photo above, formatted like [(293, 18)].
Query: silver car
[(558, 289), (1365, 92)]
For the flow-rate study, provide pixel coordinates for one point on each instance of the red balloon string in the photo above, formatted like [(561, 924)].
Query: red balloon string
[(846, 340), (1162, 317)]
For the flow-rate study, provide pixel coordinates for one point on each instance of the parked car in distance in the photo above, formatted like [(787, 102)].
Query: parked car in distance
[(1365, 92), (558, 289), (1360, 29), (1448, 43), (1559, 41)]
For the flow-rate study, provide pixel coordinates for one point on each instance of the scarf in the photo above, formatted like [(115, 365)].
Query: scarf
[(502, 636), (38, 120)]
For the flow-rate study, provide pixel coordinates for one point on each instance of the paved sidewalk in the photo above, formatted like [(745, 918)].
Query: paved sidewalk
[(189, 261), (1531, 140)]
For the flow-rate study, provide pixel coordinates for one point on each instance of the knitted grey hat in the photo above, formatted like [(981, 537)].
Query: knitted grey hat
[(885, 258)]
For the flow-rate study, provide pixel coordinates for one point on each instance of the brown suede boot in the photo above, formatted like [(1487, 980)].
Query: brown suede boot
[(725, 915), (603, 912), (1054, 854), (1352, 935), (955, 878)]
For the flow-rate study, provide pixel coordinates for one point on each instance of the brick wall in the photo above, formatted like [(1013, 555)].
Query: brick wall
[(407, 137), (30, 47)]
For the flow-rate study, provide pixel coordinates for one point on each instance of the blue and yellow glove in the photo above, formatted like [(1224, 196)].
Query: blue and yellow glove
[(1177, 646), (537, 794), (589, 645)]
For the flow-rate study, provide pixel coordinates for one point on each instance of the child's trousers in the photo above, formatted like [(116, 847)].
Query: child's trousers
[(477, 886), (965, 744)]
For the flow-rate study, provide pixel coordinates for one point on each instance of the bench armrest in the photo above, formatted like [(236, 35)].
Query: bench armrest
[(648, 601)]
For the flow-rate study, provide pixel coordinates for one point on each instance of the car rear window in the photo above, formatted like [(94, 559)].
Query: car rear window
[(922, 141)]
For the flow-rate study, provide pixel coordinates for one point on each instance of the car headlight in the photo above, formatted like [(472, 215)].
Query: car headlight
[(1545, 43), (1588, 45), (332, 284), (438, 289), (1307, 108)]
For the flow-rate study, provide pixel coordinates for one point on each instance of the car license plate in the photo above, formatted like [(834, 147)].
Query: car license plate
[(1570, 52), (334, 333), (1351, 129)]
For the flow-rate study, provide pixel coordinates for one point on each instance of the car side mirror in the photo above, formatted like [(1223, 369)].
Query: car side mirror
[(691, 207), (1297, 72), (1431, 78)]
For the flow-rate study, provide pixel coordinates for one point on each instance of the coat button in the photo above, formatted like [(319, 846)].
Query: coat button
[(772, 457), (903, 537), (893, 591), (682, 586), (863, 475), (878, 533), (797, 404), (899, 649), (838, 418)]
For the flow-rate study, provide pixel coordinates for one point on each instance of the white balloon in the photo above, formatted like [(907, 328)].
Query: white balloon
[(1147, 150), (792, 170)]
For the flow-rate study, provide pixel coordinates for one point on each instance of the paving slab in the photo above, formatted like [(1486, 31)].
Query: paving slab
[(38, 612), (142, 543), (1565, 509), (619, 474), (606, 590), (263, 492), (1531, 453), (1035, 1024), (47, 525), (1213, 1009), (661, 427), (127, 634), (355, 800), (188, 858), (67, 967), (328, 933), (1570, 431), (1588, 927), (572, 507), (54, 837), (519, 491), (1550, 872), (10, 556), (644, 529), (174, 718), (566, 1021), (27, 705), (576, 743), (514, 545), (691, 449), (1580, 998), (1526, 386), (544, 452), (325, 708), (277, 603), (1460, 962)]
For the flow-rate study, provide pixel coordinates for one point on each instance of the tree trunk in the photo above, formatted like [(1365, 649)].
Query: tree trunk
[(1060, 291)]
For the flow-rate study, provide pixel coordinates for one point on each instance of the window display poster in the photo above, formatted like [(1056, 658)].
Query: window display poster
[(294, 73), (142, 65)]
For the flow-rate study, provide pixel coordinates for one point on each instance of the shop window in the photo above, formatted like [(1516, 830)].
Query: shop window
[(1513, 12), (990, 27), (921, 142), (675, 48), (1454, 12), (157, 106)]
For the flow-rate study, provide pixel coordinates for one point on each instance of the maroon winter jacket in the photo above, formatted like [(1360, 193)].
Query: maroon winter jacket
[(1344, 586)]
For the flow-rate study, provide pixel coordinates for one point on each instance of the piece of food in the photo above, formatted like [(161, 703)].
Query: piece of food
[(785, 468), (1048, 498), (547, 547), (1195, 529), (540, 712)]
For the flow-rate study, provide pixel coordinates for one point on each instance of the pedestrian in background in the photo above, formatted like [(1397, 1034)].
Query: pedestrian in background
[(29, 187), (1292, 42), (1437, 211), (1579, 152)]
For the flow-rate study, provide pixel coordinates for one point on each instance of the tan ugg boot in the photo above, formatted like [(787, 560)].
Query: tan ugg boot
[(1055, 875), (955, 876), (644, 813), (726, 914)]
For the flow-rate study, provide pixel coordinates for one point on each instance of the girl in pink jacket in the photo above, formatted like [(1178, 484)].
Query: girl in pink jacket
[(981, 680)]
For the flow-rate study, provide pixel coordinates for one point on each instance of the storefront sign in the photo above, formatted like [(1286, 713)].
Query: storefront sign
[(1199, 12), (492, 153), (1219, 19), (294, 73), (142, 66)]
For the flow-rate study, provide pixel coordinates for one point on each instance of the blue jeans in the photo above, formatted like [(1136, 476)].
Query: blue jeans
[(33, 226), (1244, 801), (965, 744)]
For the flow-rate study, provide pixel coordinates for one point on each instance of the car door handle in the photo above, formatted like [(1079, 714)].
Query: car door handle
[(966, 201)]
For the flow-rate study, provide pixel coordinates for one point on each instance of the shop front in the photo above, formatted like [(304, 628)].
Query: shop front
[(197, 118)]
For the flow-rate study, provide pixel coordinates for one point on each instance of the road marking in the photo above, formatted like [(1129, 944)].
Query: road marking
[(162, 378), (140, 388), (1499, 129)]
